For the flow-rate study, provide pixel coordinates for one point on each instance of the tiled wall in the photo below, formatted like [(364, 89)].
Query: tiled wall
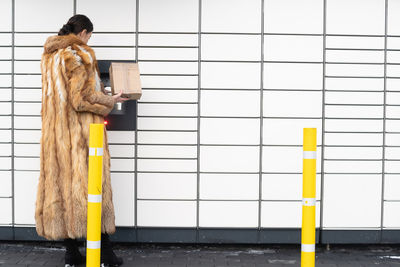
[(228, 86)]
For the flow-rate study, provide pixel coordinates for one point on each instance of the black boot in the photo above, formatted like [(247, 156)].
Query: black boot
[(107, 255), (72, 255)]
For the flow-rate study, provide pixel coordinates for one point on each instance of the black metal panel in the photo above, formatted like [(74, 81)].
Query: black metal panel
[(123, 119), (166, 235)]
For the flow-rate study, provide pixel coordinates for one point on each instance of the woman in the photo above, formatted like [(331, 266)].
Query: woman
[(73, 97)]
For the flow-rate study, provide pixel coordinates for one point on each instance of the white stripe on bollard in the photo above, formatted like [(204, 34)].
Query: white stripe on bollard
[(94, 198), (93, 244), (308, 247), (309, 154), (308, 201)]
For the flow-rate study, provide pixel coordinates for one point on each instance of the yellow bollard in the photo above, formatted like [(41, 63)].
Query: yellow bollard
[(309, 192), (96, 134)]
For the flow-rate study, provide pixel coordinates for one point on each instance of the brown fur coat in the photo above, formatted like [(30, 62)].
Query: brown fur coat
[(72, 97)]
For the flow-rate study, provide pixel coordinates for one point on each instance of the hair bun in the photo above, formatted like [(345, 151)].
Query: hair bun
[(66, 29)]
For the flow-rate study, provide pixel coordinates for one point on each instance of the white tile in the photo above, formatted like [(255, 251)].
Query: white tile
[(121, 136), (154, 151), (167, 137), (5, 163), (121, 14), (346, 17), (355, 42), (33, 38), (392, 167), (354, 97), (5, 121), (27, 122), (5, 108), (335, 111), (27, 164), (167, 123), (292, 104), (5, 149), (293, 48), (168, 39), (353, 139), (392, 84), (112, 39), (292, 76), (229, 131), (167, 165), (285, 214), (230, 47), (392, 70), (28, 94), (238, 16), (147, 109), (122, 164), (293, 16), (392, 112), (114, 53), (392, 153), (121, 150), (123, 189), (392, 187), (5, 94), (354, 70), (5, 52), (6, 211), (289, 131), (391, 217), (27, 67), (392, 139), (353, 166), (5, 135), (27, 108), (5, 15), (229, 186), (286, 186), (230, 75), (168, 15), (165, 95), (5, 66), (393, 19), (169, 68), (27, 81), (354, 56), (166, 213), (28, 136), (228, 214), (25, 188), (42, 15), (352, 152), (168, 53), (166, 82), (352, 200), (167, 185), (353, 125), (33, 53), (229, 159), (5, 182), (5, 38), (5, 80), (285, 159), (27, 150), (226, 103)]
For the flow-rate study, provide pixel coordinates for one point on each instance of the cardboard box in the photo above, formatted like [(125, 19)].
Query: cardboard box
[(126, 77)]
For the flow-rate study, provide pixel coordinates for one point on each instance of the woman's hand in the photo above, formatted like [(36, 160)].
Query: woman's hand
[(118, 98)]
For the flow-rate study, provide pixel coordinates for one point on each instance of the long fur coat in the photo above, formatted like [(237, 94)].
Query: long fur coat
[(72, 97)]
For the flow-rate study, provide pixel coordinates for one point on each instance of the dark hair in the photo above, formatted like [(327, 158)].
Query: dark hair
[(76, 24)]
